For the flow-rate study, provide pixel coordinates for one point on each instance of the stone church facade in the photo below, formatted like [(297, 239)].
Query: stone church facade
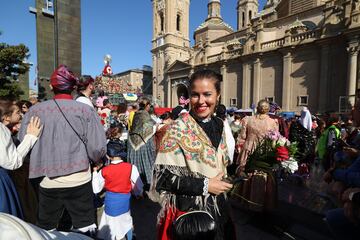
[(294, 52)]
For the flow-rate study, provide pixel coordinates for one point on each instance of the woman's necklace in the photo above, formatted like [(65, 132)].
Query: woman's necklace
[(206, 120)]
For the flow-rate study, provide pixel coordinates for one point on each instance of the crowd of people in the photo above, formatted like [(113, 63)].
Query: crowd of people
[(60, 156)]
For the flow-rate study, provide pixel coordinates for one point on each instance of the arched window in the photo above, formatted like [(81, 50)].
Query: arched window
[(178, 22), (162, 22), (250, 13), (243, 19)]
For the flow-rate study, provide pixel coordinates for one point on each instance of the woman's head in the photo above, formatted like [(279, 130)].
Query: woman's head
[(101, 93), (24, 106), (221, 111), (9, 112), (114, 131), (204, 92), (263, 107), (237, 118), (85, 81), (144, 104)]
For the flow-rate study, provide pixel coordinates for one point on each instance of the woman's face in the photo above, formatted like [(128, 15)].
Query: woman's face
[(203, 97), (24, 109), (15, 116)]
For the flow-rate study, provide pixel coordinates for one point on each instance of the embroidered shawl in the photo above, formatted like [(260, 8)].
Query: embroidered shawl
[(142, 129), (187, 150)]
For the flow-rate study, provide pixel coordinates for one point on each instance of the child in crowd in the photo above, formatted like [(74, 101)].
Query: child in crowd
[(119, 179)]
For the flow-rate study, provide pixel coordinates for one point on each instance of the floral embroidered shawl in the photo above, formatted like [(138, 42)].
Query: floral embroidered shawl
[(187, 150)]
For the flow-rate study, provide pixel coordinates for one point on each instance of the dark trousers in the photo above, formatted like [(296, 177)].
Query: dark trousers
[(78, 201)]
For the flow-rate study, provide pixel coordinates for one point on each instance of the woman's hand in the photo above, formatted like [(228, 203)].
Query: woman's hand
[(217, 186), (34, 127)]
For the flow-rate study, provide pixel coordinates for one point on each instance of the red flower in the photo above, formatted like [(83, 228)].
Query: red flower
[(282, 154), (102, 122), (103, 115)]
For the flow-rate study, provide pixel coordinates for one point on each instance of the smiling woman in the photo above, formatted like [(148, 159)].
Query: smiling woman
[(205, 93), (192, 159)]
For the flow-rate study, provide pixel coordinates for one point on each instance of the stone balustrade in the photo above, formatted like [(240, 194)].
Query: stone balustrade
[(273, 44), (214, 58), (304, 36)]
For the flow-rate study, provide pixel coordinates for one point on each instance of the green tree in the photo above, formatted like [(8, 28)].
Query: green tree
[(12, 64)]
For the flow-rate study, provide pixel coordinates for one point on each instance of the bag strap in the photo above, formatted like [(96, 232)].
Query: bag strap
[(84, 141)]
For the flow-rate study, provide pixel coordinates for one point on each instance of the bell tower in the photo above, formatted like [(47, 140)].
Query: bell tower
[(170, 40), (246, 10)]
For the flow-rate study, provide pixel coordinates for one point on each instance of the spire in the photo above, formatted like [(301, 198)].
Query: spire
[(214, 7)]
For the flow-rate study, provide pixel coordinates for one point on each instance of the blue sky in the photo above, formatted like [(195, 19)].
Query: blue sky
[(121, 28)]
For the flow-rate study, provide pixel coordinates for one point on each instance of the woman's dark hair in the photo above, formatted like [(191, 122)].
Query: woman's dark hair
[(106, 102), (143, 102), (101, 93), (237, 117), (84, 82), (221, 111), (209, 74), (6, 108), (196, 225), (114, 131), (22, 103)]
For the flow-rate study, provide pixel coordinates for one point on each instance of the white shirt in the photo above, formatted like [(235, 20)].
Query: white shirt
[(11, 157), (85, 100), (98, 182)]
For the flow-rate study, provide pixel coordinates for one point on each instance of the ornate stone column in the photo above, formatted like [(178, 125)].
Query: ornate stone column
[(353, 51), (324, 74), (169, 92), (287, 69), (246, 85), (224, 98), (257, 81)]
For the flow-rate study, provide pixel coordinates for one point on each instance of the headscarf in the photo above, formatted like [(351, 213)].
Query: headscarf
[(142, 129), (183, 101), (273, 107), (63, 79), (305, 119)]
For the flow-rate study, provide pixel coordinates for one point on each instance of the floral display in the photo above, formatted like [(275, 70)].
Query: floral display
[(116, 85), (274, 152), (274, 155)]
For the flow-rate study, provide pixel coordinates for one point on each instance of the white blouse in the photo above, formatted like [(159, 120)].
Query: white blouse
[(11, 157), (98, 182)]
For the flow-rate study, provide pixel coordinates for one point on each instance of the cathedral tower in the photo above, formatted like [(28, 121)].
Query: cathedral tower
[(246, 10), (214, 7), (170, 40)]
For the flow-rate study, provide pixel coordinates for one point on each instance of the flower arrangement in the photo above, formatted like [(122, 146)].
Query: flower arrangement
[(274, 152)]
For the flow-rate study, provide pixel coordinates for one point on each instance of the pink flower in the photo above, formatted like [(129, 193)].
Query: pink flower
[(273, 135)]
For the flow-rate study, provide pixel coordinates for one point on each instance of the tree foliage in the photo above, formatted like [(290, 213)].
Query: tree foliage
[(12, 64)]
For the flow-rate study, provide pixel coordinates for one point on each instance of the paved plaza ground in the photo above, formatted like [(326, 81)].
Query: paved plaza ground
[(299, 216)]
